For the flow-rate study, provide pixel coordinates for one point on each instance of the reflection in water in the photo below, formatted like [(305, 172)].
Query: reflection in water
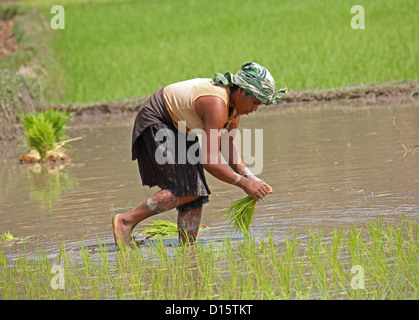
[(47, 182), (333, 167)]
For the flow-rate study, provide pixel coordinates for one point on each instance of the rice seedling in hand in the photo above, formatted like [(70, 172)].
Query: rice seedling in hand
[(241, 212)]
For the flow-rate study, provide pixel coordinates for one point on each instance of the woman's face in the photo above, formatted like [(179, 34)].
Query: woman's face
[(244, 102)]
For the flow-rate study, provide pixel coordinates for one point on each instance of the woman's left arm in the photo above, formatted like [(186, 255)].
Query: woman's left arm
[(229, 149), (233, 157)]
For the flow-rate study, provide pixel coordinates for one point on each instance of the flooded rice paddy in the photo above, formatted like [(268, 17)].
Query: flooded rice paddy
[(330, 168)]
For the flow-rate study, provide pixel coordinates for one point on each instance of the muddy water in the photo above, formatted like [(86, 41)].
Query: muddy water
[(333, 167)]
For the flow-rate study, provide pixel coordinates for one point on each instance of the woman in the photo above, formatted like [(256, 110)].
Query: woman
[(179, 108)]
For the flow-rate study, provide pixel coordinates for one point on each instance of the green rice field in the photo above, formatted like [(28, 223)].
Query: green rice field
[(112, 50), (377, 262)]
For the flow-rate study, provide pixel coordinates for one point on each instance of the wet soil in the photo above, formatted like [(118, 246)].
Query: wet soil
[(8, 43)]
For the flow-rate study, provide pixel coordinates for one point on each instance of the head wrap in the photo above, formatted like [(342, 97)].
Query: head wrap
[(255, 79)]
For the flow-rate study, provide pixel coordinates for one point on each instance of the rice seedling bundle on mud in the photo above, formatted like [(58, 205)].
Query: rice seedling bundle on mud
[(44, 134), (162, 228)]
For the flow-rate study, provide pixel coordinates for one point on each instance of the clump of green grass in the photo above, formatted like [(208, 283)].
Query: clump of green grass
[(7, 236), (55, 120), (39, 134), (407, 150), (240, 213), (161, 228), (44, 129), (8, 12), (23, 72)]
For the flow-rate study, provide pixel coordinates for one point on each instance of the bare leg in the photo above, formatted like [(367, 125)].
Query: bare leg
[(188, 225), (124, 223)]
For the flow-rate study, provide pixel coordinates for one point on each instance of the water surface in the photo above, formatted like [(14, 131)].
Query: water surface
[(330, 167)]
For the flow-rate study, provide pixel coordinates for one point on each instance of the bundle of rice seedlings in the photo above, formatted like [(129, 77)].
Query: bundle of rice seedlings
[(164, 228), (55, 118), (58, 120), (40, 135), (7, 236), (161, 228), (43, 131), (240, 213)]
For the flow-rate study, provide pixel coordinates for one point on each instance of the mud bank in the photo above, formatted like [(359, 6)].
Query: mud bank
[(8, 43), (383, 94), (391, 93), (99, 113)]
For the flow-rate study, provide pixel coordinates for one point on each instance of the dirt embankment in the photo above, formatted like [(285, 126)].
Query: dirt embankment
[(8, 43), (386, 94), (19, 82), (97, 113), (389, 93)]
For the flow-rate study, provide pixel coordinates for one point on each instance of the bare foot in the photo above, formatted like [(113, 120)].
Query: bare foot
[(121, 233)]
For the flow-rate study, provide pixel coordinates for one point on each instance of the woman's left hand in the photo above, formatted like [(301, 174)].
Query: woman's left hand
[(253, 177)]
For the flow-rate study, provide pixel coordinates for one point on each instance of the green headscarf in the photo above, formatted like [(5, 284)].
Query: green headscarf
[(255, 79)]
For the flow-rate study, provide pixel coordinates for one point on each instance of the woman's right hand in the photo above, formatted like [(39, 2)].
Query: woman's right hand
[(256, 189)]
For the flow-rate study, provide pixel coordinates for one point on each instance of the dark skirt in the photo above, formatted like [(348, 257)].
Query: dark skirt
[(166, 163)]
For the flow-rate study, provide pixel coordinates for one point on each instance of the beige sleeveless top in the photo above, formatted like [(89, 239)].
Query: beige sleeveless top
[(180, 99)]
